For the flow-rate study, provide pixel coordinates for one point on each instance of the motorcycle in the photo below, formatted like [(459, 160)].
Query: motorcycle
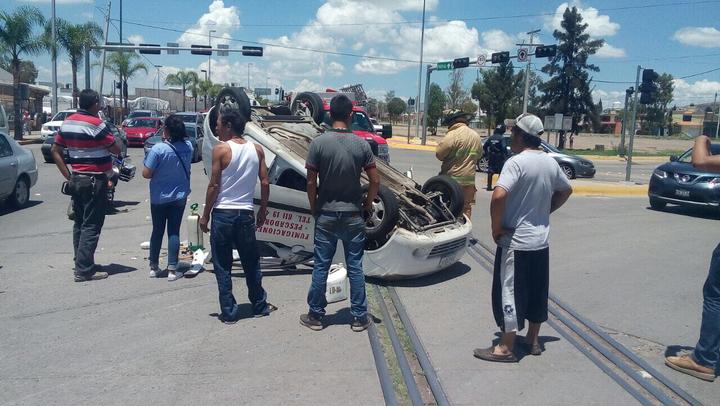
[(122, 170)]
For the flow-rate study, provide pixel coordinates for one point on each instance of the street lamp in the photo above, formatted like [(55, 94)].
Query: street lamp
[(205, 95), (248, 78), (210, 56), (157, 100)]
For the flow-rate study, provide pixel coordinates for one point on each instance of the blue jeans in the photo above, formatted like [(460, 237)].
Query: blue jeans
[(707, 350), (350, 229), (236, 228), (171, 214)]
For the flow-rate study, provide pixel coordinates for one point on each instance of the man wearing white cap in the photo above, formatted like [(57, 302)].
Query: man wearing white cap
[(530, 187)]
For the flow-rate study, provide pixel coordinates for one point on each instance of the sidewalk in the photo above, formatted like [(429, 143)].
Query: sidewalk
[(34, 138)]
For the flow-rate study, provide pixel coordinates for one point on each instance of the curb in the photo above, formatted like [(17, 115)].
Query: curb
[(32, 141), (413, 147), (609, 189)]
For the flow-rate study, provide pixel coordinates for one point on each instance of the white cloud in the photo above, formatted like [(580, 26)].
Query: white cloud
[(224, 20), (706, 37), (335, 69), (88, 14), (609, 51), (380, 66), (598, 25), (608, 97), (498, 40), (696, 92), (306, 85), (136, 39)]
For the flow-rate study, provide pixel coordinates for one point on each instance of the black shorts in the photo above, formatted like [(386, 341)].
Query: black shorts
[(520, 287)]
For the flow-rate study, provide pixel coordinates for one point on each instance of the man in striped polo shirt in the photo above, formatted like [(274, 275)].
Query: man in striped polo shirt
[(89, 145)]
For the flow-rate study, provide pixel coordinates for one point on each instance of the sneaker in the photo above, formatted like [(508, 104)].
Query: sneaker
[(90, 277), (311, 321), (359, 324), (155, 271), (175, 275), (686, 364), (270, 308)]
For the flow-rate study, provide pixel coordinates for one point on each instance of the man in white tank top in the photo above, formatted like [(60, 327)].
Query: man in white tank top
[(236, 167)]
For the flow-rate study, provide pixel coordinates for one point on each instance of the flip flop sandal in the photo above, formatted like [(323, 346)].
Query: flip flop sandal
[(486, 354)]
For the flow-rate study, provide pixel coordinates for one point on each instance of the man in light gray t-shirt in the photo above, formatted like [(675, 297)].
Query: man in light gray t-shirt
[(530, 187)]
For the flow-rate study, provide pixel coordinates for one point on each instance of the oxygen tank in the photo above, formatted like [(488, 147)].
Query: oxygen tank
[(195, 234)]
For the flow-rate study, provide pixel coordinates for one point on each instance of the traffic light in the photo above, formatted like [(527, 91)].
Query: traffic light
[(546, 51), (150, 51), (201, 49), (461, 63), (252, 51), (411, 102), (118, 85), (648, 87), (500, 57)]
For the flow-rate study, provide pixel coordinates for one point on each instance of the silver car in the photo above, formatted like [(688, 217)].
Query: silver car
[(18, 172)]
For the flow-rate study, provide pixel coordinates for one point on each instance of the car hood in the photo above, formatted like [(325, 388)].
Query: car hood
[(53, 123), (139, 130), (368, 135), (152, 141), (682, 167)]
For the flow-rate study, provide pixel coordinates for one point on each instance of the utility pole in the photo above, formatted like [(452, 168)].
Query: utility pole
[(717, 118), (121, 37), (527, 70), (210, 56), (420, 68), (53, 28), (104, 52), (628, 167), (248, 75), (157, 100), (621, 150), (87, 68), (425, 103)]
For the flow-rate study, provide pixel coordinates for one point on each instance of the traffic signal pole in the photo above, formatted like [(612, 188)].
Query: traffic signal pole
[(628, 166), (425, 103), (527, 71)]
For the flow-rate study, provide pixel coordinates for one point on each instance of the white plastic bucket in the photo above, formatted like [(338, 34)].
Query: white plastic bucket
[(338, 285)]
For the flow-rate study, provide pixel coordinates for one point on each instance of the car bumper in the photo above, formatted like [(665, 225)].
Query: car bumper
[(585, 171), (410, 255), (670, 191), (136, 141), (46, 133)]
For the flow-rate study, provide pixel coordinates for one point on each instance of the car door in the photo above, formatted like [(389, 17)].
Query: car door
[(8, 167)]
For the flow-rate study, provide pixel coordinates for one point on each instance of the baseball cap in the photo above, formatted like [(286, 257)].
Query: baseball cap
[(530, 124)]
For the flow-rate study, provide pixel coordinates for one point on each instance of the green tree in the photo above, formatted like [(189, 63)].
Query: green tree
[(124, 66), (496, 93), (389, 95), (209, 90), (468, 106), (568, 90), (396, 106), (436, 105), (28, 71), (185, 79), (73, 39), (456, 93), (18, 38), (372, 107)]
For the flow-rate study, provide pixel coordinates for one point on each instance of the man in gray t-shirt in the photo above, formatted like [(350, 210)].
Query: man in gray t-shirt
[(338, 157), (530, 187)]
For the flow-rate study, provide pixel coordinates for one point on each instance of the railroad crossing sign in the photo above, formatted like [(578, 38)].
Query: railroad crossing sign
[(444, 66), (481, 60), (522, 55)]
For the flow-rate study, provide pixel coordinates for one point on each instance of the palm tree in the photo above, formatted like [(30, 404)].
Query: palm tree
[(184, 79), (18, 39), (74, 39), (194, 89), (124, 66)]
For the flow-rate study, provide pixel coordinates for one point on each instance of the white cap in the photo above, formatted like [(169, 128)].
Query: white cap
[(530, 123)]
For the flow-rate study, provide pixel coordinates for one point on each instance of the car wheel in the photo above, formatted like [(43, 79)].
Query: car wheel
[(657, 204), (451, 192), (21, 193), (482, 165), (308, 104), (384, 216), (233, 98), (568, 171)]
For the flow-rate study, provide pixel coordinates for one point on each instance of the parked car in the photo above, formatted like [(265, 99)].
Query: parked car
[(413, 230), (141, 113), (194, 135), (18, 172), (376, 125), (191, 118), (49, 129), (573, 166), (140, 129), (117, 133), (4, 123), (679, 182)]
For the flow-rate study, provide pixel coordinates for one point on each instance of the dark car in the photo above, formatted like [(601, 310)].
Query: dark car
[(572, 165), (194, 135), (117, 133), (679, 182)]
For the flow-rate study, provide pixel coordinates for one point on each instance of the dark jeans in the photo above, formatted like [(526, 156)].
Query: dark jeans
[(350, 229), (89, 219), (707, 350), (172, 215), (236, 228)]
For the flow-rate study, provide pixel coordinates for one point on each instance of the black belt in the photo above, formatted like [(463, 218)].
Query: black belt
[(234, 211), (340, 213)]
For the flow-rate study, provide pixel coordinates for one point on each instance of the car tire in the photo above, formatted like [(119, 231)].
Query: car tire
[(568, 171), (657, 204), (384, 218), (21, 193), (483, 165), (233, 98), (308, 104), (452, 193)]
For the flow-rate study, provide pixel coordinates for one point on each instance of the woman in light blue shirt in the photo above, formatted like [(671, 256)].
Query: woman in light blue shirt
[(167, 165)]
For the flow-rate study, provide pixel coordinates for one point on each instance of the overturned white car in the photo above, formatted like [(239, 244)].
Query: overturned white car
[(413, 230)]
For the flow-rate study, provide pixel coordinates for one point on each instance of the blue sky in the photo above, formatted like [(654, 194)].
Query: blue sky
[(673, 36)]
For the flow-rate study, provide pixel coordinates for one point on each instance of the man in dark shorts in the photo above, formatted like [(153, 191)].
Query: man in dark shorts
[(495, 149), (338, 157), (530, 187)]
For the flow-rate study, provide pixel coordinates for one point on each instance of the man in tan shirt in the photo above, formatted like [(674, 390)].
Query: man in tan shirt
[(459, 151)]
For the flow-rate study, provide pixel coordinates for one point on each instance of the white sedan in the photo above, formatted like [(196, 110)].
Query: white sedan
[(413, 230), (18, 172)]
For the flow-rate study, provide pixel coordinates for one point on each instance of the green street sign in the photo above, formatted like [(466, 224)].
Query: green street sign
[(444, 66)]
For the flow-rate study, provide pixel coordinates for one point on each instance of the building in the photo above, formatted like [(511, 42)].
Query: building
[(31, 95), (173, 96)]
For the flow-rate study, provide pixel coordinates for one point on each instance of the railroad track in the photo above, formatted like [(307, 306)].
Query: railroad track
[(405, 372), (630, 371)]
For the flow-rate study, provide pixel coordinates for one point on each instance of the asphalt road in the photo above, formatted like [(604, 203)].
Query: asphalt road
[(132, 340)]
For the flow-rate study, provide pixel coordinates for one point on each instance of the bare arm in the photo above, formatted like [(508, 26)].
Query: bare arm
[(312, 175), (373, 187), (57, 155), (497, 212), (114, 148), (147, 172), (559, 198), (264, 187), (702, 158), (213, 188)]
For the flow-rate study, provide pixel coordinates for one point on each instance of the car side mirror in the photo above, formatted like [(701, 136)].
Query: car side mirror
[(386, 131), (673, 158)]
